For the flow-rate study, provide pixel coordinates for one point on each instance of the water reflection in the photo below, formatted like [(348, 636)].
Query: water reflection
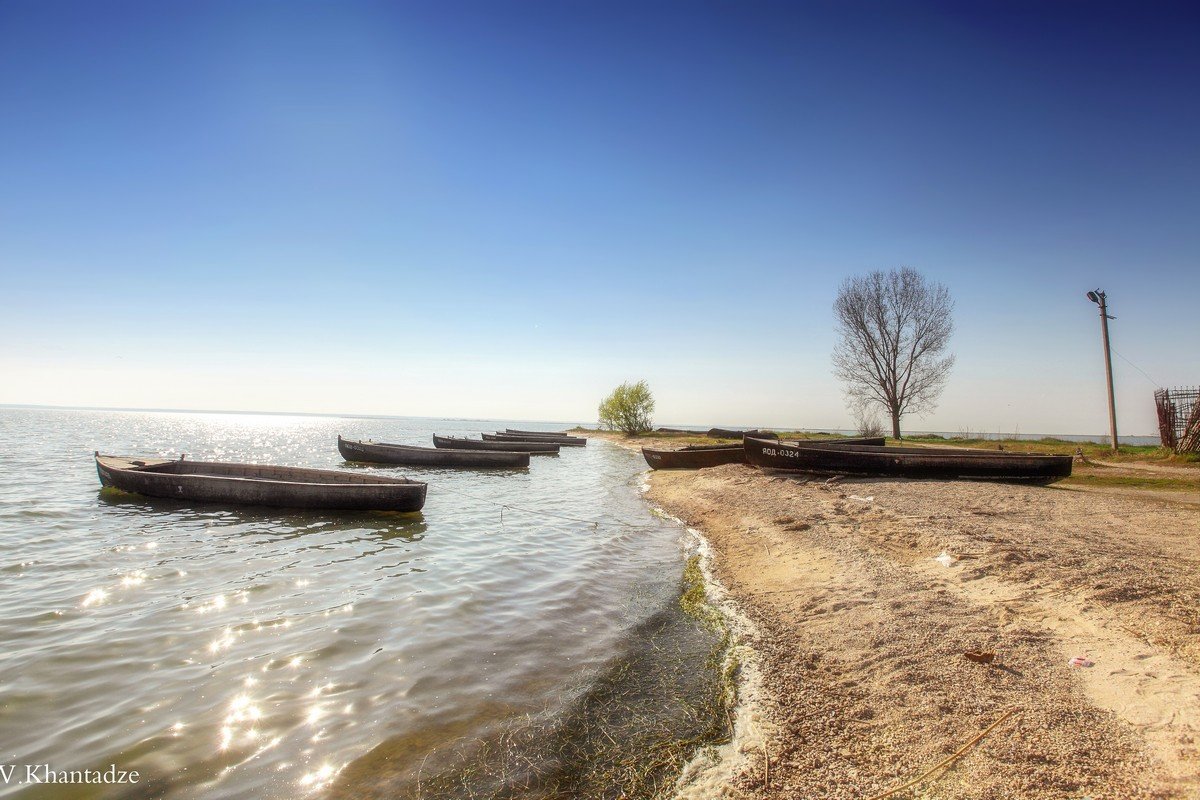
[(139, 506), (271, 524)]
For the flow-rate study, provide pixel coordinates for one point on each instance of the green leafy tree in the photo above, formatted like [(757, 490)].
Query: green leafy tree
[(628, 408)]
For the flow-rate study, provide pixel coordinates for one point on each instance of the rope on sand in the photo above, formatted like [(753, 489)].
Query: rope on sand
[(947, 761)]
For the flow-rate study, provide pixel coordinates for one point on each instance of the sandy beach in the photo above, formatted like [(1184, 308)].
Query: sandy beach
[(865, 595)]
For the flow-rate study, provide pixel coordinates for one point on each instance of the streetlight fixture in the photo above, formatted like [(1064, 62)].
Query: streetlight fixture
[(1098, 298)]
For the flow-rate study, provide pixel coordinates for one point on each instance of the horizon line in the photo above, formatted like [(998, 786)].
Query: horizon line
[(983, 434)]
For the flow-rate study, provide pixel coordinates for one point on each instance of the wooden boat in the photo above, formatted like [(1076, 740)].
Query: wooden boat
[(845, 458), (259, 484), (565, 441), (726, 433), (545, 434), (712, 455), (697, 456), (386, 453), (456, 443)]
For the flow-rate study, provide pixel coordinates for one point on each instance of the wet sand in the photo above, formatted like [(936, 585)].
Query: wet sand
[(861, 629)]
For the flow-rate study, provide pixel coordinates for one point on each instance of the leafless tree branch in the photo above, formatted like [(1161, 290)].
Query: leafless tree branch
[(895, 328)]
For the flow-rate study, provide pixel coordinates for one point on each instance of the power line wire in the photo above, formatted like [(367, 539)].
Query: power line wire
[(1135, 366)]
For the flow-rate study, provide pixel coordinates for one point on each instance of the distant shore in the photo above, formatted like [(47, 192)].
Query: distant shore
[(865, 595)]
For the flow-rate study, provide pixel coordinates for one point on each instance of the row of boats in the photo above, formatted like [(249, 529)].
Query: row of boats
[(501, 450), (229, 483), (866, 456)]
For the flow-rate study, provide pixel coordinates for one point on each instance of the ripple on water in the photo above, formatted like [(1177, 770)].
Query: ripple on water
[(251, 652)]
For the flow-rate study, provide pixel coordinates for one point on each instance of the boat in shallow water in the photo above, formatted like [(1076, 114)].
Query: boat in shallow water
[(565, 441), (843, 458), (259, 484), (456, 443), (387, 453), (562, 435)]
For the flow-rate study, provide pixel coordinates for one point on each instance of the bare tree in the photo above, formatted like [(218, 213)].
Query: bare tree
[(895, 327), (866, 422)]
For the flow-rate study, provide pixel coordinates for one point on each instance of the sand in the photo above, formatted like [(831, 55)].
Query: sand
[(863, 595)]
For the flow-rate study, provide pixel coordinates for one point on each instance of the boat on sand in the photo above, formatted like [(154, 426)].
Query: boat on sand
[(696, 456), (712, 455), (727, 433), (842, 458)]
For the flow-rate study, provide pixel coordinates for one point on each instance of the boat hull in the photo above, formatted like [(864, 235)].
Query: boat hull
[(565, 441), (455, 443), (224, 483), (538, 435), (906, 462), (385, 453), (727, 433), (694, 457)]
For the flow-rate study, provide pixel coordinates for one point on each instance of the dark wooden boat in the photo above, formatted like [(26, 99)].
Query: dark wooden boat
[(727, 433), (697, 456), (456, 443), (565, 441), (545, 434), (843, 458), (259, 484), (386, 453)]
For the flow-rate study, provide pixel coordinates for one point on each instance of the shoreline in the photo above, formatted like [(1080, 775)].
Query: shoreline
[(707, 774), (860, 630)]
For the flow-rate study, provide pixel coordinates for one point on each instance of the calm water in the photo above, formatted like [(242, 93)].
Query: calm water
[(259, 653)]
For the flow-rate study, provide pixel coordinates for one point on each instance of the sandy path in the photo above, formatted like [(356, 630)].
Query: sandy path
[(862, 631)]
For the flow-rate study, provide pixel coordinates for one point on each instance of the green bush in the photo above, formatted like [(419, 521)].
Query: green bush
[(628, 408)]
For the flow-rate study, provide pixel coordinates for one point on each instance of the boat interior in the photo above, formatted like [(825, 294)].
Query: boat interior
[(251, 471)]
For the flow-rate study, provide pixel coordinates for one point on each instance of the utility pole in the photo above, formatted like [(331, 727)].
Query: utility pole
[(1098, 298)]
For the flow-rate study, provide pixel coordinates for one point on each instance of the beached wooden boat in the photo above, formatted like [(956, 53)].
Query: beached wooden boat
[(456, 443), (259, 484), (565, 441), (727, 433), (842, 458), (386, 453), (696, 456)]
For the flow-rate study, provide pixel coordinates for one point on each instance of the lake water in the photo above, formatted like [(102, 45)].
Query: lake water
[(228, 653)]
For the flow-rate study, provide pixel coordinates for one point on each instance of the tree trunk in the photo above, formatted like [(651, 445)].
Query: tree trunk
[(895, 423)]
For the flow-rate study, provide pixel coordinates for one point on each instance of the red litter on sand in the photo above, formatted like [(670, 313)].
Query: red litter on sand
[(1081, 661)]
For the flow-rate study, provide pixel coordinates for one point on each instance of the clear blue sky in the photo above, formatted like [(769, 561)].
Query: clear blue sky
[(506, 208)]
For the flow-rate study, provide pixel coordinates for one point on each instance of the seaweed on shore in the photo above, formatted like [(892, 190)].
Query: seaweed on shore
[(628, 735)]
